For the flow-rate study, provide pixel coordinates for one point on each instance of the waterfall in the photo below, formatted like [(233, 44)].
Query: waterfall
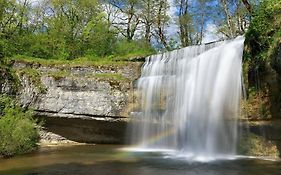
[(189, 100)]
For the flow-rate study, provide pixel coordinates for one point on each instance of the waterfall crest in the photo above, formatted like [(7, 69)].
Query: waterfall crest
[(190, 100)]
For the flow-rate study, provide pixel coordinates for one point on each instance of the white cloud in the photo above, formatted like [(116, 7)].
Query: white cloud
[(172, 9), (211, 33)]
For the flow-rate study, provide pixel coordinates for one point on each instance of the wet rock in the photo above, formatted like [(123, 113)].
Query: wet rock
[(256, 145), (262, 138)]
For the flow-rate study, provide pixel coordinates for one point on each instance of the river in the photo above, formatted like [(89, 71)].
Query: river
[(112, 160)]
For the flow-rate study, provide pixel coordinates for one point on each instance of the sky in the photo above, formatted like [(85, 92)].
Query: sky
[(211, 29), (211, 33)]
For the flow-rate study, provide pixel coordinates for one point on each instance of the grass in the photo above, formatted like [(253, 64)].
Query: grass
[(34, 76), (110, 76), (57, 75), (65, 65), (110, 61)]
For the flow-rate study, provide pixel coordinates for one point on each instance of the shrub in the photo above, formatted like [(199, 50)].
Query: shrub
[(265, 25), (263, 34), (138, 47), (18, 133)]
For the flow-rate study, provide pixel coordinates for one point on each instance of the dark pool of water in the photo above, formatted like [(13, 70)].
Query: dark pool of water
[(109, 160)]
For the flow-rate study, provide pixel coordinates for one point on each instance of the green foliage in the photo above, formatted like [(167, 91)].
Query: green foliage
[(1, 47), (110, 76), (18, 133), (275, 52), (98, 39), (8, 75), (139, 47), (5, 103), (82, 61), (57, 75), (265, 28), (254, 145), (72, 30), (43, 47), (34, 76), (258, 105)]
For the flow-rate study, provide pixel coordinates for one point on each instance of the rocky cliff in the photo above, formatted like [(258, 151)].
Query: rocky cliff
[(92, 104), (81, 103)]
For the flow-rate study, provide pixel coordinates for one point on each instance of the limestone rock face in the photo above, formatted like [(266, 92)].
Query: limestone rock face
[(28, 94), (82, 104), (81, 96), (82, 93)]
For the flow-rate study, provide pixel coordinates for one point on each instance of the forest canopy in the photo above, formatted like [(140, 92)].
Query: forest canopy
[(69, 29)]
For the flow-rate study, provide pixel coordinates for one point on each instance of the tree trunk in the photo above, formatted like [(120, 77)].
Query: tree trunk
[(183, 12), (160, 25), (248, 6), (229, 21)]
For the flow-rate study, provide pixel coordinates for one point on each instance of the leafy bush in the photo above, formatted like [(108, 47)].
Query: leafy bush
[(18, 133), (34, 76), (1, 48), (8, 75), (98, 40), (275, 52), (263, 33), (125, 47), (41, 47)]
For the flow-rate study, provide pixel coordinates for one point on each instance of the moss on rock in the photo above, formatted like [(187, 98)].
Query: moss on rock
[(254, 145), (34, 76)]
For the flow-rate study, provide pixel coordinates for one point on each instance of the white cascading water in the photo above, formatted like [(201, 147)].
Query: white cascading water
[(190, 101)]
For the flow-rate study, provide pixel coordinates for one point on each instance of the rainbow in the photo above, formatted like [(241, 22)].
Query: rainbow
[(150, 141)]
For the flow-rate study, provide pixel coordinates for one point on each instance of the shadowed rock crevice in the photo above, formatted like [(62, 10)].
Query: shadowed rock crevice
[(99, 130)]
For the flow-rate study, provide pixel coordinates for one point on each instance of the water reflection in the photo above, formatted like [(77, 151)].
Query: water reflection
[(109, 160)]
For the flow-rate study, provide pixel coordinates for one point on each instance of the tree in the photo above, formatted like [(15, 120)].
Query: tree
[(248, 6), (128, 18), (263, 41), (13, 20), (77, 28), (192, 18), (235, 19), (201, 19), (162, 20), (229, 20), (184, 22), (1, 34), (148, 11), (111, 13)]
